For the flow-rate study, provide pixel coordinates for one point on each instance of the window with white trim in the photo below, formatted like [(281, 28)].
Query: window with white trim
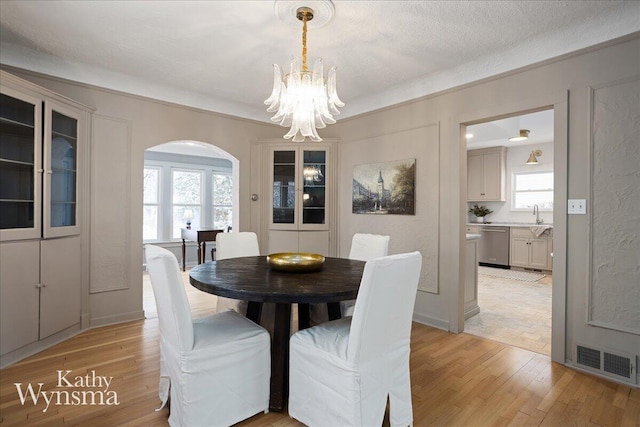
[(186, 198), (532, 188), (151, 195), (178, 192), (222, 208)]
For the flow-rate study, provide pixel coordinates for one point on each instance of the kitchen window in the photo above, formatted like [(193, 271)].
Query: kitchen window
[(532, 188)]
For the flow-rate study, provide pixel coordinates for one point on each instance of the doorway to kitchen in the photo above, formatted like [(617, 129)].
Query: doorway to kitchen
[(510, 171)]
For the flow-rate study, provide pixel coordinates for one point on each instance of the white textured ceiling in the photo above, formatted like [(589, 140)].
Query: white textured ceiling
[(218, 55), (498, 132)]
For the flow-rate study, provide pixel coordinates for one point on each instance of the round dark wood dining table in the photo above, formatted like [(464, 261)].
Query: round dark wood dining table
[(251, 279)]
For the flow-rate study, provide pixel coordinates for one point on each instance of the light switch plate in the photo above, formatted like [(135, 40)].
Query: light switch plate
[(577, 207)]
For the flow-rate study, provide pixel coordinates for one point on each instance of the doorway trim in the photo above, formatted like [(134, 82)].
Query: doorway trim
[(559, 102)]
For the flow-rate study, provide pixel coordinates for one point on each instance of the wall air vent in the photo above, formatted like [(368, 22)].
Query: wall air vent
[(617, 365), (606, 363), (588, 357)]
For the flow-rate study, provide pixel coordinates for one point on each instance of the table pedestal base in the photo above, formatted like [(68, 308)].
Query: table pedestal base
[(280, 345)]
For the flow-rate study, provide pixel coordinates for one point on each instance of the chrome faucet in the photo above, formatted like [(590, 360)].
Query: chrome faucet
[(536, 212)]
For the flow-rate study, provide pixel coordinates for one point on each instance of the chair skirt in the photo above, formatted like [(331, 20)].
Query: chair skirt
[(326, 389), (225, 378)]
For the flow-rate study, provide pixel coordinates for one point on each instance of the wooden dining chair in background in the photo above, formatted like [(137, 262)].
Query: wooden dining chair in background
[(343, 372), (216, 369)]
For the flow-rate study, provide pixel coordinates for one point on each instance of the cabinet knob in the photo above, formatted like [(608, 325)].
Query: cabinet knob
[(254, 197)]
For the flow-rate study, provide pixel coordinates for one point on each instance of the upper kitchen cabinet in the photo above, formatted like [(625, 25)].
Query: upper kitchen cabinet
[(486, 174), (301, 197)]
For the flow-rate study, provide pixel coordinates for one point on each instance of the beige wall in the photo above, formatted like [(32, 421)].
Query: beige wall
[(564, 83), (530, 89), (123, 127)]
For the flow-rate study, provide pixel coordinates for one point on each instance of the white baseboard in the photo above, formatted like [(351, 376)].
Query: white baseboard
[(38, 346), (431, 321), (119, 318)]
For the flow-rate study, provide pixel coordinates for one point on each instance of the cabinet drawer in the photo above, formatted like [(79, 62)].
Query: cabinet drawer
[(521, 232), (526, 232)]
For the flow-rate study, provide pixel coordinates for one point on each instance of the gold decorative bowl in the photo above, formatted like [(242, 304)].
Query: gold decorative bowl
[(295, 261)]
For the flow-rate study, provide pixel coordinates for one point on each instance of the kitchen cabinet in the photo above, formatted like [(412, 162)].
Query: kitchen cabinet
[(42, 178), (528, 251), (301, 197), (473, 229), (486, 174)]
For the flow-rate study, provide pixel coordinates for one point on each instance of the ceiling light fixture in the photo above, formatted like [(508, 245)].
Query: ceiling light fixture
[(532, 160), (302, 99), (524, 135)]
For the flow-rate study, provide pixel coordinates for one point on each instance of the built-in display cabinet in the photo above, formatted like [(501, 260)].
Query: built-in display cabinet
[(301, 197), (486, 174), (42, 138)]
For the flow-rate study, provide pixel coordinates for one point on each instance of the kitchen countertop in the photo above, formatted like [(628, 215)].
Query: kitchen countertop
[(509, 224)]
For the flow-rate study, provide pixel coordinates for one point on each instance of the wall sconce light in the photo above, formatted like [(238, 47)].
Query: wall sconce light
[(533, 157), (524, 135)]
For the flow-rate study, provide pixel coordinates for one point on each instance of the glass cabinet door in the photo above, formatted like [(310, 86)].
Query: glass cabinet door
[(299, 188), (61, 177), (20, 160), (284, 187), (314, 189)]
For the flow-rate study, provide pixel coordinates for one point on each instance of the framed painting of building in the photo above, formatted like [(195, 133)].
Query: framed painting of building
[(385, 188)]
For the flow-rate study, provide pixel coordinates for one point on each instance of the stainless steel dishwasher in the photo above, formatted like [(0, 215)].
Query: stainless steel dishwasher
[(494, 246)]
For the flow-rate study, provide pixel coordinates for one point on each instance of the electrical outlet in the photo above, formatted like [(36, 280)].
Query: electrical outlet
[(577, 207)]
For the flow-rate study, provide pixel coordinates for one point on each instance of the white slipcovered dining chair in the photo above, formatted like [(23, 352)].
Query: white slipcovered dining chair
[(342, 372), (364, 247), (216, 369), (235, 245)]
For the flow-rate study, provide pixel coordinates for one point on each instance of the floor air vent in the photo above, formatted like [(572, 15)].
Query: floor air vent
[(606, 363)]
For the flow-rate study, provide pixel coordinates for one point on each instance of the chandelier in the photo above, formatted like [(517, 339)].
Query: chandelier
[(303, 99)]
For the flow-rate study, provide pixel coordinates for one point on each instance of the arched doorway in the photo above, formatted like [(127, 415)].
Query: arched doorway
[(188, 183)]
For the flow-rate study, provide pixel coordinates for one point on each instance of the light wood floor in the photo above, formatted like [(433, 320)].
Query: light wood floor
[(457, 380)]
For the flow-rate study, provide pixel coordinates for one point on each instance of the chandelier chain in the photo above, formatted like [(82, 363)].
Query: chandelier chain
[(304, 41)]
